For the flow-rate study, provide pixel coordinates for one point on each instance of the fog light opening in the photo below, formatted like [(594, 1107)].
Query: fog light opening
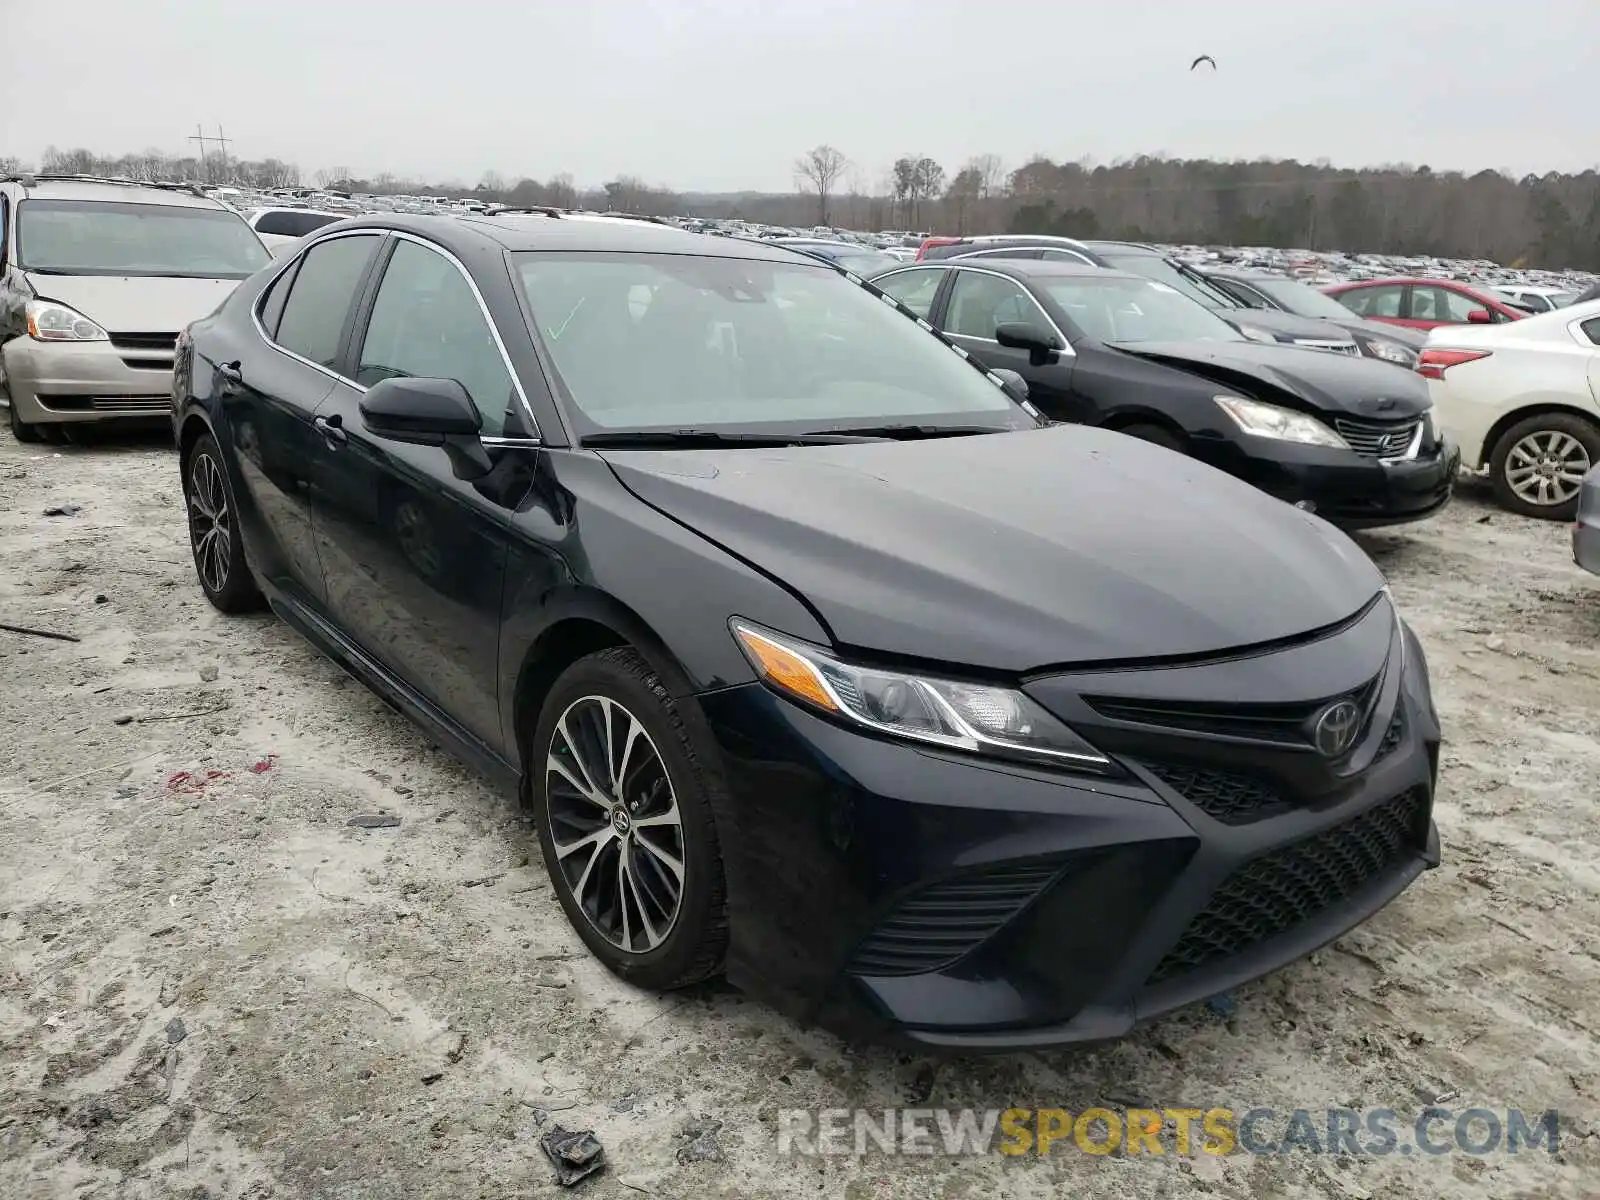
[(1309, 505)]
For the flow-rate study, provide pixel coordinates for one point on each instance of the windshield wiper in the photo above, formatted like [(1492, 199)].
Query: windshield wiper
[(906, 433), (690, 438)]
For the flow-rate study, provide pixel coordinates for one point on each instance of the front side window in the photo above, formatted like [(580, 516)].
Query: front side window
[(97, 237), (981, 303), (689, 341), (427, 324), (915, 289), (1135, 310), (320, 297), (1443, 304)]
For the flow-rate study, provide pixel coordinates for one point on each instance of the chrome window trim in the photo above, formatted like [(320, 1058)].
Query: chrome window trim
[(402, 235), (1066, 350)]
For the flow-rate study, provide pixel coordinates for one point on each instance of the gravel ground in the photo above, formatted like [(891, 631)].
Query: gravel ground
[(211, 985)]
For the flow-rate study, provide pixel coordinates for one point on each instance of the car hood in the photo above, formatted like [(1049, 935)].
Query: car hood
[(134, 304), (1012, 552), (1326, 383), (1287, 325)]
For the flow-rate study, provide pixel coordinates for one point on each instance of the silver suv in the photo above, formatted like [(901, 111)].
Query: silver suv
[(97, 278)]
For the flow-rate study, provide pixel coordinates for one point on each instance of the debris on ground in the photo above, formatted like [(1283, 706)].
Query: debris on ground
[(699, 1143), (1224, 1005), (374, 821), (193, 783), (41, 633), (63, 510), (576, 1155), (176, 1031)]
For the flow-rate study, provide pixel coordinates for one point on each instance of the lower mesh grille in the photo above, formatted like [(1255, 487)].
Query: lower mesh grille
[(935, 926), (1231, 799), (1287, 887)]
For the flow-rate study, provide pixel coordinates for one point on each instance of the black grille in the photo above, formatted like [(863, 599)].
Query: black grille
[(145, 341), (79, 403), (1391, 736), (1231, 799), (1377, 439), (1281, 890), (1284, 724), (934, 927)]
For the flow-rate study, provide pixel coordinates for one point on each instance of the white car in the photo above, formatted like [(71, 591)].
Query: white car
[(281, 227), (1534, 298), (1523, 401)]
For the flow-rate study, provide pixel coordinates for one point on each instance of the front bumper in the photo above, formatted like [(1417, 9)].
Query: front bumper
[(130, 376), (1348, 489), (905, 895), (1586, 532)]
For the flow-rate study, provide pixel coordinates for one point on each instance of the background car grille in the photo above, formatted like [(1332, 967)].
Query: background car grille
[(1280, 890), (935, 926), (1377, 439), (1349, 348), (167, 342), (1221, 795)]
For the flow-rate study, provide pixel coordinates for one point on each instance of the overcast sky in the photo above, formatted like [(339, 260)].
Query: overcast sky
[(724, 94)]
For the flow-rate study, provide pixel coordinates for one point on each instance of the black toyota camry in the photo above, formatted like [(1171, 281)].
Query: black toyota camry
[(816, 657), (1349, 438)]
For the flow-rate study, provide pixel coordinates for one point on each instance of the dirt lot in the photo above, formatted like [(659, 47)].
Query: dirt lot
[(212, 986)]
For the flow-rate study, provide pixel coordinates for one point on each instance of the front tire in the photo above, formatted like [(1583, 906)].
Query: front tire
[(1158, 435), (214, 538), (623, 809), (1538, 464), (23, 431)]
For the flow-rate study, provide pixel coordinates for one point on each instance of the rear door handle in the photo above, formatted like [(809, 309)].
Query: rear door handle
[(332, 429)]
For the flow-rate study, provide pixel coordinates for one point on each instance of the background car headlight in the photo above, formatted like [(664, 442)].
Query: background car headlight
[(1255, 333), (944, 712), (1283, 424), (1394, 352), (52, 322)]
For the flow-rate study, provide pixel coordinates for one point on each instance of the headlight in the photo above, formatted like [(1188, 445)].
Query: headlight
[(52, 322), (943, 712), (1283, 424), (1394, 352), (1255, 333)]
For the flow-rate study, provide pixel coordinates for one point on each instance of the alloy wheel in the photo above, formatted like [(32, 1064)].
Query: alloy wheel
[(1547, 467), (210, 522), (615, 824)]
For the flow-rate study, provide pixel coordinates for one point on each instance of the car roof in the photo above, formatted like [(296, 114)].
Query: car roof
[(117, 191), (531, 231), (1411, 280), (1024, 268)]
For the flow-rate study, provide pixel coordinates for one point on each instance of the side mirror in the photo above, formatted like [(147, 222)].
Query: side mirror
[(1040, 343), (1015, 385), (1480, 316), (429, 412)]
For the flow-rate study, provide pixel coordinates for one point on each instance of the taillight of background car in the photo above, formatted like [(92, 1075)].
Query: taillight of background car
[(1434, 363)]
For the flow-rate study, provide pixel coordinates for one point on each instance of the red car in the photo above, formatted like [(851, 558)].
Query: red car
[(1423, 303)]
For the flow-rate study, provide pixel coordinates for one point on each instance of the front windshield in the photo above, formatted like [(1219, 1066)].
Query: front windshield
[(651, 341), (1135, 310), (96, 237), (1302, 300), (1154, 267)]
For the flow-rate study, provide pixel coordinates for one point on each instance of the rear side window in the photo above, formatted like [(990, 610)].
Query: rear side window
[(1591, 330), (1372, 301), (914, 289), (277, 295), (320, 298), (294, 224)]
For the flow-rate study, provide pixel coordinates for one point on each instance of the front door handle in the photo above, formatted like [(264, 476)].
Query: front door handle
[(332, 429)]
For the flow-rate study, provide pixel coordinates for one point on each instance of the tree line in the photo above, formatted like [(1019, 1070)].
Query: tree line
[(1550, 220)]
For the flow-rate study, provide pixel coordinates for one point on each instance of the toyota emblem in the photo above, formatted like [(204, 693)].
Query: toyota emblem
[(1335, 728)]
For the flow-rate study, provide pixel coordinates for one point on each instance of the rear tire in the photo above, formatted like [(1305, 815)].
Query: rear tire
[(1158, 435), (1538, 464), (214, 537), (638, 870)]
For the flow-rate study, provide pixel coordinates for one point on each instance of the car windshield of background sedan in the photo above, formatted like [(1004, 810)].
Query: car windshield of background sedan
[(1135, 310), (674, 340), (1159, 269), (78, 237), (1304, 301)]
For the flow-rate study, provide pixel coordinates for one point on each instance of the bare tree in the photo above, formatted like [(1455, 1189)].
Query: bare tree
[(991, 174), (962, 196), (818, 170), (492, 181), (562, 192)]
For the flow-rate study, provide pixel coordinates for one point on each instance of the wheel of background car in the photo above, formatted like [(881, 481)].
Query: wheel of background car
[(214, 531), (23, 431), (1160, 435), (624, 817), (1539, 463)]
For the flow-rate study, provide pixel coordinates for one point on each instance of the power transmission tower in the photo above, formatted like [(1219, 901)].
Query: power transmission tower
[(221, 158)]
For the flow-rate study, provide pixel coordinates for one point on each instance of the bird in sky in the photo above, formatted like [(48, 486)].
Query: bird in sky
[(1206, 58)]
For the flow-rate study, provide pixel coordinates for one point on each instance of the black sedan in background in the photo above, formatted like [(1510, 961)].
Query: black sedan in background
[(815, 657), (1351, 439), (1278, 293)]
